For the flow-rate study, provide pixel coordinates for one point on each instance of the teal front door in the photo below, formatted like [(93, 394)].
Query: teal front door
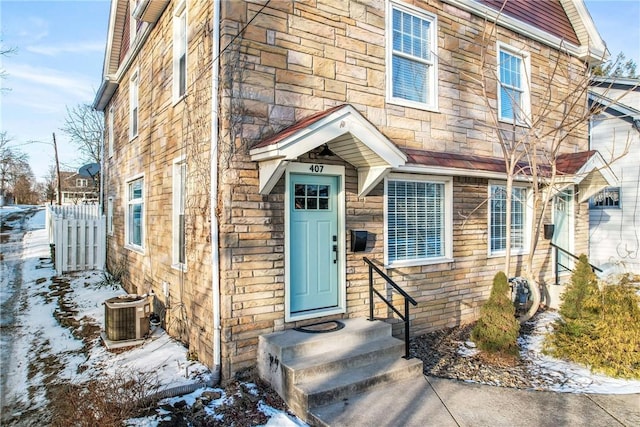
[(313, 243), (563, 233)]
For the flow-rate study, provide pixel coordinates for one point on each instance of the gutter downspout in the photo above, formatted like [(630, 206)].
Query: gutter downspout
[(215, 261)]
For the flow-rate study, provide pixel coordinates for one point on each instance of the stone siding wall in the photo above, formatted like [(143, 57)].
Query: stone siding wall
[(297, 58), (168, 130)]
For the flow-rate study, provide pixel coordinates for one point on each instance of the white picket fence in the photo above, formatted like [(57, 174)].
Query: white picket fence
[(78, 234)]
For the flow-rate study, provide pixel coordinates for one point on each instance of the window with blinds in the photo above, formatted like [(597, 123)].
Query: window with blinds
[(498, 218), (415, 220), (412, 61), (512, 86)]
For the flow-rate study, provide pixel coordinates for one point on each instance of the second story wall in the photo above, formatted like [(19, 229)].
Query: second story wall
[(297, 58)]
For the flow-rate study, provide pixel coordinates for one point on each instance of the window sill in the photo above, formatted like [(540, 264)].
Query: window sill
[(133, 248), (411, 104), (178, 99), (509, 122), (179, 267), (419, 262), (502, 253)]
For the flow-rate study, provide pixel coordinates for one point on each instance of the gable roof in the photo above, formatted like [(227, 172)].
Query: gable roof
[(120, 51), (346, 133), (617, 96), (552, 18), (580, 38)]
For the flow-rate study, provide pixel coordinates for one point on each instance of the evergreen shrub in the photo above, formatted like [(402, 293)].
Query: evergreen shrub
[(497, 329), (599, 328)]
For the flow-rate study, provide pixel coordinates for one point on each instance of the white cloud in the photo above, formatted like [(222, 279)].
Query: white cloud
[(75, 48), (66, 85)]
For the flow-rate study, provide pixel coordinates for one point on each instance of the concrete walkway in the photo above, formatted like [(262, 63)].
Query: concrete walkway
[(443, 402)]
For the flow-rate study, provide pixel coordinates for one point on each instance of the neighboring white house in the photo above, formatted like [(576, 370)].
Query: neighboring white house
[(614, 214)]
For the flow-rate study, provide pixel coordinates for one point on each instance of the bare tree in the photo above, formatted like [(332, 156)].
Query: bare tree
[(5, 51), (50, 183), (85, 127), (535, 138), (13, 164)]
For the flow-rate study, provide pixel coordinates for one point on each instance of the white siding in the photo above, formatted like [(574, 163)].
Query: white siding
[(615, 231)]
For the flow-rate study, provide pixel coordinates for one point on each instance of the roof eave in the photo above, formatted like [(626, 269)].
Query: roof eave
[(594, 51)]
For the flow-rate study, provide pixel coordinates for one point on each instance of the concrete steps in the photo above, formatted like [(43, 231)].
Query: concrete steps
[(310, 370)]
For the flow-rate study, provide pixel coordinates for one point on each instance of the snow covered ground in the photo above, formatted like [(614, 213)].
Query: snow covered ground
[(37, 338), (568, 377), (34, 337)]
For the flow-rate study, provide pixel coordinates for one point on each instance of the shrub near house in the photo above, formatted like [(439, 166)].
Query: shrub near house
[(497, 328), (600, 325)]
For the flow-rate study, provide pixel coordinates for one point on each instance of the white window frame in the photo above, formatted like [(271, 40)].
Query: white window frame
[(178, 210), (447, 220), (431, 102), (110, 128), (179, 51), (526, 224), (81, 182), (128, 218), (110, 216), (523, 113), (134, 105)]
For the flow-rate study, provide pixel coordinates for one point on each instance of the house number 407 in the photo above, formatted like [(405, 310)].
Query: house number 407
[(316, 168)]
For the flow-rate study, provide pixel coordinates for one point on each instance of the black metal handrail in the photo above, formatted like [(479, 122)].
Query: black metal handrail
[(559, 264), (406, 296)]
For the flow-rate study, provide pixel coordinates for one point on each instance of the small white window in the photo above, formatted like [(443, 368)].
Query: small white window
[(520, 217), (133, 106), (607, 198), (80, 182), (418, 220), (110, 128), (411, 58), (179, 197), (134, 229), (180, 51), (513, 85), (110, 216)]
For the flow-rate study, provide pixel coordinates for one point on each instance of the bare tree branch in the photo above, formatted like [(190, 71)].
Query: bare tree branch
[(85, 127)]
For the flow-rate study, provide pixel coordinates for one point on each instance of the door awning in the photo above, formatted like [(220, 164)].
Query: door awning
[(347, 134), (588, 170)]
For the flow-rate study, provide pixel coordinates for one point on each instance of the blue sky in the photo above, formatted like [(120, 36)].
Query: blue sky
[(60, 52)]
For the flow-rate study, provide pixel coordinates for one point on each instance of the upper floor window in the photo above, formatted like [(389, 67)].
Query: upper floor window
[(498, 219), (134, 228), (81, 182), (180, 51), (133, 106), (110, 127), (513, 85), (418, 220), (411, 59), (607, 198)]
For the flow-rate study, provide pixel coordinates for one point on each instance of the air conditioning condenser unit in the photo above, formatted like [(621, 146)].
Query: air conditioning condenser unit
[(126, 317)]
